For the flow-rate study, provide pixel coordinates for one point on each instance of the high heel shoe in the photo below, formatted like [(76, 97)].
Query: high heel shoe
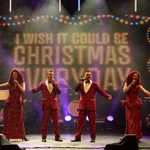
[(25, 139)]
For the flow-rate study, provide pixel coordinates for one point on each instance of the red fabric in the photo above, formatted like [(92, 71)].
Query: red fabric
[(129, 78), (13, 115), (133, 112), (87, 100), (49, 107), (47, 113), (81, 119), (87, 106), (20, 78), (49, 100)]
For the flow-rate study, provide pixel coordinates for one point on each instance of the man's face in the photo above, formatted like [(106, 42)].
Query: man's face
[(88, 76), (50, 75)]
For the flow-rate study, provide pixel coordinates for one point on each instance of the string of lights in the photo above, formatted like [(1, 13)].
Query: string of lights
[(148, 64), (148, 34), (17, 20)]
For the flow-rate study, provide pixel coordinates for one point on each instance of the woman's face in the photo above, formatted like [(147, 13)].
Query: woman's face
[(135, 76), (15, 75)]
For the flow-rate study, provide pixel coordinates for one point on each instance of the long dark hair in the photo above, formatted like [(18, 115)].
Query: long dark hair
[(130, 75), (20, 77)]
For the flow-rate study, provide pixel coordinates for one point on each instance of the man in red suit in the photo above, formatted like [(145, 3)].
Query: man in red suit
[(49, 90), (87, 105)]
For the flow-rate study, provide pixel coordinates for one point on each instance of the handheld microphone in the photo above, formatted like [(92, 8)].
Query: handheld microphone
[(133, 82), (14, 82)]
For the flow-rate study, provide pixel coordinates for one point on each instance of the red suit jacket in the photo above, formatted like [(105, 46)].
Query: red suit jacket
[(49, 100), (87, 100)]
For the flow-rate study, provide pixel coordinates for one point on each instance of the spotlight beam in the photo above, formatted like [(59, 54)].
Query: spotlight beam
[(135, 5), (79, 5), (10, 5), (59, 5)]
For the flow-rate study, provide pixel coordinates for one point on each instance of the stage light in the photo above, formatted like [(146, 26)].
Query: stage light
[(110, 118), (14, 24), (10, 5), (4, 24), (10, 18), (79, 5), (4, 18), (135, 5), (68, 118)]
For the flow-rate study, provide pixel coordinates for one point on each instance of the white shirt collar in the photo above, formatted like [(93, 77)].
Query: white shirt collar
[(49, 86)]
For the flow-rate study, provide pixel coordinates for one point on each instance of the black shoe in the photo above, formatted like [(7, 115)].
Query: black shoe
[(76, 140), (58, 139), (92, 140), (43, 140), (25, 139), (139, 141)]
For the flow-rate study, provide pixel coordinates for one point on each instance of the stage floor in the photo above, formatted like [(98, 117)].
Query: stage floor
[(35, 143)]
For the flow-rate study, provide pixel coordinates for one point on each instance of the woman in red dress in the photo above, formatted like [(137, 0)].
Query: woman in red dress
[(133, 103), (13, 111)]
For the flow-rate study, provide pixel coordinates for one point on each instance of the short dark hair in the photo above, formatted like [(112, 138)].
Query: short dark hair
[(87, 71), (50, 70)]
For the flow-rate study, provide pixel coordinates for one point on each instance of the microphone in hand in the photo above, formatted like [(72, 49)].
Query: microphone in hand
[(52, 82), (81, 80), (15, 82), (133, 82)]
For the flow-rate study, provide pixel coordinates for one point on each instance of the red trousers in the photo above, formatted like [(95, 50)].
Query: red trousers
[(81, 120), (47, 113)]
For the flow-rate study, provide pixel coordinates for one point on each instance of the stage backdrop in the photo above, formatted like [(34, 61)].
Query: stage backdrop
[(108, 45)]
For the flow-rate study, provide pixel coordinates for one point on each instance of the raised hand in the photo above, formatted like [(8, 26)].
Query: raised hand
[(109, 97)]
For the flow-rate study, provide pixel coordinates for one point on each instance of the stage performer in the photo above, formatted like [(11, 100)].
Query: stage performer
[(13, 110), (133, 103), (87, 105), (50, 89)]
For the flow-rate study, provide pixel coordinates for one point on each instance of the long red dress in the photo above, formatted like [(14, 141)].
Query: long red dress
[(13, 115), (133, 112)]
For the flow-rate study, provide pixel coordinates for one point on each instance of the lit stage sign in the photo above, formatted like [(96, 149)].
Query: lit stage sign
[(70, 54)]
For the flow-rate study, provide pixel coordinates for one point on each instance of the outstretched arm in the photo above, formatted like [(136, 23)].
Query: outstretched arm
[(144, 90), (36, 89), (4, 84), (103, 93)]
